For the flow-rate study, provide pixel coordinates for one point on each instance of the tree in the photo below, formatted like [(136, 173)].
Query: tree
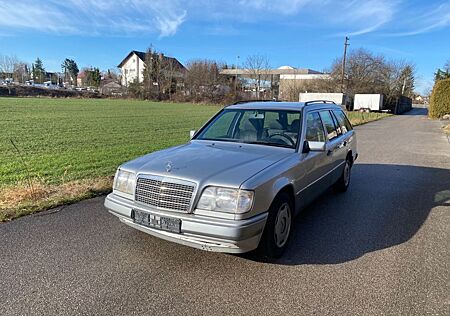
[(152, 74), (447, 66), (7, 64), (407, 79), (95, 77), (440, 99), (112, 74), (38, 71), (204, 82), (369, 73), (92, 77), (257, 67), (161, 75), (70, 70), (441, 75), (21, 72)]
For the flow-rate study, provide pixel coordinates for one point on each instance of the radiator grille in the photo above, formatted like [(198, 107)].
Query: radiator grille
[(166, 193)]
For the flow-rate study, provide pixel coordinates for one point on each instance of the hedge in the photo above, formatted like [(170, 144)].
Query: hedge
[(440, 99)]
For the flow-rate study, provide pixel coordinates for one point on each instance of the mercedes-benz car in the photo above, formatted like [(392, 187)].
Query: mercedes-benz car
[(240, 180)]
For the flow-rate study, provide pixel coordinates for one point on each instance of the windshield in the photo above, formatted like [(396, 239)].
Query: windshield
[(265, 127)]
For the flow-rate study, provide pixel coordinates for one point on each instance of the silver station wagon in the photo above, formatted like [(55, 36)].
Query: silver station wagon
[(238, 183)]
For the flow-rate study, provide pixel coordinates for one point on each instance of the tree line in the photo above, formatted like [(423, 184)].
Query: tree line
[(21, 72)]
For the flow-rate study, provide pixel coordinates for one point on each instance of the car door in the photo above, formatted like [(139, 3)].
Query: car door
[(313, 164), (334, 146)]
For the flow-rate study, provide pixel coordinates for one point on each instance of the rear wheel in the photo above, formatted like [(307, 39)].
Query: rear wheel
[(344, 181), (278, 227)]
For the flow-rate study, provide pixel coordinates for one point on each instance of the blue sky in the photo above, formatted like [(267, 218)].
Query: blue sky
[(300, 33)]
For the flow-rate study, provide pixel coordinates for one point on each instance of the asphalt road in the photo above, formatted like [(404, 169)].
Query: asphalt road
[(383, 248)]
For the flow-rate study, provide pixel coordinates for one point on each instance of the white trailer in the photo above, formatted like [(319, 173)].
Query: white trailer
[(338, 98), (368, 102)]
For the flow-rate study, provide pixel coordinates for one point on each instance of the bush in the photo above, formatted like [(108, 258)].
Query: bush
[(440, 99)]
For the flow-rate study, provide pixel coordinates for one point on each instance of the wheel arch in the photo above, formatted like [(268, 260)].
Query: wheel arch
[(286, 186)]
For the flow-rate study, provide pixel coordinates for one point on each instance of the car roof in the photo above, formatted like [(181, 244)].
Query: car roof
[(274, 105)]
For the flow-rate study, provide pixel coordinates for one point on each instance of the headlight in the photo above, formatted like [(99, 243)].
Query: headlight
[(226, 200), (124, 181)]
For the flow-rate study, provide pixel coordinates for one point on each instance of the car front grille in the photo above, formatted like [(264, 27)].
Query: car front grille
[(165, 193)]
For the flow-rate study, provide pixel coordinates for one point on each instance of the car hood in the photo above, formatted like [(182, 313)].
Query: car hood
[(209, 163)]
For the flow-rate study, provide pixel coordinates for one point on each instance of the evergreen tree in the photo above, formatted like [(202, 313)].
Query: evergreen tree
[(441, 75), (407, 81), (38, 71), (70, 69)]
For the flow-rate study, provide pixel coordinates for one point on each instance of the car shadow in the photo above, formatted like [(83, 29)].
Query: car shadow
[(385, 206)]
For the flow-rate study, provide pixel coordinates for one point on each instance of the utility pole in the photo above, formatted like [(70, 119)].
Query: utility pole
[(343, 63), (236, 78)]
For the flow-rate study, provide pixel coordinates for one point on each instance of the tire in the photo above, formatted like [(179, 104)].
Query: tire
[(278, 227), (344, 181)]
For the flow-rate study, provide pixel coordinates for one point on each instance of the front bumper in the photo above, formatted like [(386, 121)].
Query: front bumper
[(202, 232)]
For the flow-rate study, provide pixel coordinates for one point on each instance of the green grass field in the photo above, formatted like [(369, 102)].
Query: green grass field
[(69, 139), (70, 148)]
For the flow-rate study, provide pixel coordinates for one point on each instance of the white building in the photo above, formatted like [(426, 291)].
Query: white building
[(132, 66)]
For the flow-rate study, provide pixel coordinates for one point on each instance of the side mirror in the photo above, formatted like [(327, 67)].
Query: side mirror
[(192, 133), (314, 146)]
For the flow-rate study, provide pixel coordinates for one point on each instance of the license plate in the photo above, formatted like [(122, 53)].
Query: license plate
[(154, 221)]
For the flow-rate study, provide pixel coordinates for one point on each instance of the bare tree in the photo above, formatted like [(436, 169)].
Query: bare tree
[(21, 72), (257, 68), (161, 74), (204, 82), (369, 73), (447, 66), (170, 73), (7, 65), (291, 88)]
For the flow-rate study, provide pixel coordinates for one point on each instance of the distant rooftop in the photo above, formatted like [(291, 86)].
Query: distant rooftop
[(283, 70)]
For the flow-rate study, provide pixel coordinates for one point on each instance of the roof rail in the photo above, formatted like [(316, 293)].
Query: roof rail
[(319, 101), (248, 101)]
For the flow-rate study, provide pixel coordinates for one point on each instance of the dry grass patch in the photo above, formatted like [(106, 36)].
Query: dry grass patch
[(359, 118), (446, 129), (24, 199)]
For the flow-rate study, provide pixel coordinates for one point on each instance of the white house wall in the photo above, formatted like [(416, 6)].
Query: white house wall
[(132, 69)]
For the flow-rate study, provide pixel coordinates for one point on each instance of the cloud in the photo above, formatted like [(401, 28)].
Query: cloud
[(287, 7), (366, 16), (431, 20), (93, 17), (165, 17)]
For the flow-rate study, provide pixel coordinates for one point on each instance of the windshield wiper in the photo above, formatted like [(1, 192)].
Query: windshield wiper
[(220, 139), (270, 144)]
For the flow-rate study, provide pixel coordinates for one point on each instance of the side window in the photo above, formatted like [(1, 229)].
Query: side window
[(329, 124), (339, 130), (314, 128), (343, 121)]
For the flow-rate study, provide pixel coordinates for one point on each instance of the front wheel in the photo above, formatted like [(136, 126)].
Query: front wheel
[(278, 227)]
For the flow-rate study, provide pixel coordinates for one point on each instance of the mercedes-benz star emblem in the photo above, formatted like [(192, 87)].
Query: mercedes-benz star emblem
[(169, 166)]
